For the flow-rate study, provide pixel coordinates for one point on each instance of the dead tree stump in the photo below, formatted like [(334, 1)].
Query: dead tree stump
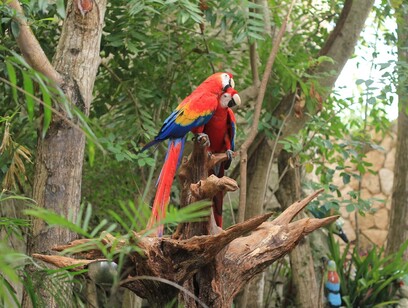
[(211, 264)]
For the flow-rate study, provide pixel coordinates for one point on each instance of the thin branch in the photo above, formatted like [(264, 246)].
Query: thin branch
[(253, 56), (30, 47), (207, 50), (257, 113)]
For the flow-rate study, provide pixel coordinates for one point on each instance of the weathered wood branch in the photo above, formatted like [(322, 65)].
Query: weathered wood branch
[(236, 258), (213, 265), (61, 261)]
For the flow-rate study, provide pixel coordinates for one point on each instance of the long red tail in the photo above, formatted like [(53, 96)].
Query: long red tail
[(162, 198), (218, 199)]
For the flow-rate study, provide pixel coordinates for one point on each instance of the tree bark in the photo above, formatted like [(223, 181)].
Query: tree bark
[(398, 232), (60, 154), (252, 296)]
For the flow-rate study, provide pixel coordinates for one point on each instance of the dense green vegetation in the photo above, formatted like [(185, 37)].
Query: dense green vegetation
[(153, 54)]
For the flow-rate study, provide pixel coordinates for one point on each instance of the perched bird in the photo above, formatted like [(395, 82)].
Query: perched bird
[(191, 114), (332, 285), (221, 133), (335, 227)]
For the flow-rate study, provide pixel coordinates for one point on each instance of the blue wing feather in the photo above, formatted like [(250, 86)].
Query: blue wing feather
[(232, 128), (171, 129), (195, 110)]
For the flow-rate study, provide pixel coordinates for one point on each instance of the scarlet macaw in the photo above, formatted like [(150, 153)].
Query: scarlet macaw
[(191, 114), (221, 133)]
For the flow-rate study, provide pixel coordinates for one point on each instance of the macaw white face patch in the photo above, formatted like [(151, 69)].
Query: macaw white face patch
[(225, 99), (227, 81)]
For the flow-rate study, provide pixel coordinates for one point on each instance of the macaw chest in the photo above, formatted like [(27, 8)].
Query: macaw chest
[(217, 129)]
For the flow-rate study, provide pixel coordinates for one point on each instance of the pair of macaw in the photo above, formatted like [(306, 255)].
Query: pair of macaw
[(205, 112)]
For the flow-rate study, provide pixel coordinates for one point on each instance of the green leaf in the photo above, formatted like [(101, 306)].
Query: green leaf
[(61, 8), (99, 227), (47, 110), (253, 5), (369, 82), (91, 152), (371, 100), (28, 87), (384, 65), (10, 291), (255, 36), (346, 178), (13, 79), (15, 28), (309, 167), (87, 218), (322, 59), (350, 207), (54, 219)]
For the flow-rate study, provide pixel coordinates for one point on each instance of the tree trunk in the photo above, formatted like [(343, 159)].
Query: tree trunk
[(339, 46), (252, 295), (398, 232), (60, 154), (301, 261)]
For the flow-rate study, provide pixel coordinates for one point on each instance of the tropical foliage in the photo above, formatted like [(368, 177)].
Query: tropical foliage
[(153, 53)]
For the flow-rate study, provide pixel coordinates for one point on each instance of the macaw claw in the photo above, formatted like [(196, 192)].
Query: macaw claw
[(203, 139), (227, 164), (229, 154)]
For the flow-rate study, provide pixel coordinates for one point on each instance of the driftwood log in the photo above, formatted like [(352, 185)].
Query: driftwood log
[(210, 264)]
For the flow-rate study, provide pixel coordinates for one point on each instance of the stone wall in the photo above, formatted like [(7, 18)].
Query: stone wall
[(373, 226)]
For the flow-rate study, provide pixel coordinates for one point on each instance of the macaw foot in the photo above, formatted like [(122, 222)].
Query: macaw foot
[(227, 164), (229, 154), (203, 139)]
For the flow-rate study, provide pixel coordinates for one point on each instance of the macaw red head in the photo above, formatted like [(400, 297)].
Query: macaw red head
[(230, 98), (217, 83)]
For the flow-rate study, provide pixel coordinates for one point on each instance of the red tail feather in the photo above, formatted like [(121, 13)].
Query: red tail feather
[(218, 199), (162, 198), (217, 208)]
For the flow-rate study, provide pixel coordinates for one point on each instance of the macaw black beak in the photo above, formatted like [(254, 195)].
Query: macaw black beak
[(235, 101)]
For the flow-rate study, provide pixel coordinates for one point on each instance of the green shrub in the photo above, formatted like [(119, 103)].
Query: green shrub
[(369, 280)]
